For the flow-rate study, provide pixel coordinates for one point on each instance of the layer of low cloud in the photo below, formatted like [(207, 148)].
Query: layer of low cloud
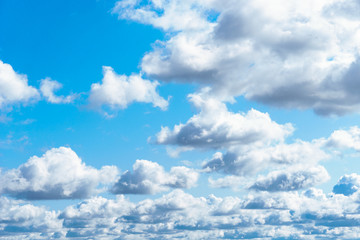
[(48, 88), (150, 178), (292, 54), (309, 214), (58, 174), (118, 91)]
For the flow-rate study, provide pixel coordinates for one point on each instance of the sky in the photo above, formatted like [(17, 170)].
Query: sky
[(188, 119)]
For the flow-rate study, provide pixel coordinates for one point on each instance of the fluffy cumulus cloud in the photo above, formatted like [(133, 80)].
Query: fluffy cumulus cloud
[(347, 184), (309, 214), (253, 160), (214, 127), (292, 54), (48, 87), (58, 174), (14, 87), (25, 221), (150, 178), (291, 180), (118, 91), (348, 139)]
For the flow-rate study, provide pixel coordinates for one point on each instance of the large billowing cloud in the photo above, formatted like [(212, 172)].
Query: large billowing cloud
[(118, 91), (58, 174), (14, 87), (291, 54), (214, 127), (150, 178)]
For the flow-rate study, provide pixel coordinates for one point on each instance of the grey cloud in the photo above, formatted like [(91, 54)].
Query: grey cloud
[(150, 178), (291, 180)]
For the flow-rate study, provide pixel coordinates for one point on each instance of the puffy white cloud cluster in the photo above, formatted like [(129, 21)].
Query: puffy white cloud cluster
[(214, 127), (14, 87), (118, 91), (310, 214), (150, 178), (48, 87), (345, 139), (58, 174), (286, 53)]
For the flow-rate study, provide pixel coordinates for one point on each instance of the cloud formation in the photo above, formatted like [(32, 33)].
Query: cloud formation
[(118, 91), (58, 174), (292, 54), (214, 127), (150, 178), (291, 180), (347, 184), (47, 89), (14, 88)]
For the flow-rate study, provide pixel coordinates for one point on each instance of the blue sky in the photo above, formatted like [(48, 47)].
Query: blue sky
[(186, 119)]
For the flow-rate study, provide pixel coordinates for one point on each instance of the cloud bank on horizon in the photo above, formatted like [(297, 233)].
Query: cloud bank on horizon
[(289, 54)]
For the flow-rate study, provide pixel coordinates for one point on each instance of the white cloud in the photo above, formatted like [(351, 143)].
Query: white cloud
[(347, 184), (215, 127), (345, 139), (14, 87), (48, 87), (118, 91), (58, 174), (150, 178), (292, 54), (253, 160), (20, 220), (291, 179)]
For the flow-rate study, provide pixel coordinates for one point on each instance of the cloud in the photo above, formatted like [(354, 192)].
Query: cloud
[(292, 54), (292, 180), (20, 220), (48, 87), (14, 87), (214, 127), (252, 160), (58, 174), (150, 178), (349, 139), (118, 91), (347, 184)]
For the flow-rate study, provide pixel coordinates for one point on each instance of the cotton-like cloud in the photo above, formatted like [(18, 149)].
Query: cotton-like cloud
[(292, 54), (118, 91), (150, 178), (250, 161), (48, 87), (310, 214), (58, 174), (215, 127), (349, 139), (294, 179), (14, 87), (20, 220), (347, 184)]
